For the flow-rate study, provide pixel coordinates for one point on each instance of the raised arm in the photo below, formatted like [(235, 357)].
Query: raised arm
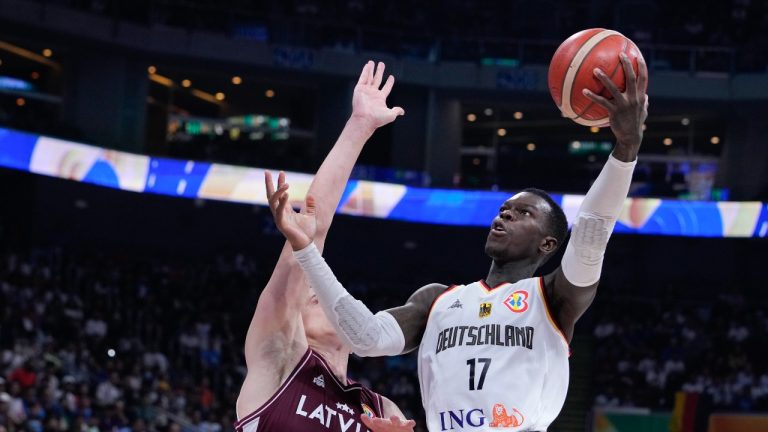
[(573, 286), (277, 316), (369, 112), (275, 337), (385, 333)]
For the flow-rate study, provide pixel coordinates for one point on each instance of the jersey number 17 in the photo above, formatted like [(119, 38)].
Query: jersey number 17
[(472, 367)]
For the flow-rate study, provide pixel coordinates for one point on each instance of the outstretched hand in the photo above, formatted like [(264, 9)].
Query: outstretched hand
[(369, 101), (626, 111), (392, 424), (298, 228)]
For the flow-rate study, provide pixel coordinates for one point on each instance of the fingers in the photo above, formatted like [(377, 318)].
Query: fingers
[(369, 80), (277, 196), (269, 185), (388, 85), (367, 421), (391, 424), (274, 196), (600, 75), (629, 76), (642, 70), (282, 201), (397, 111), (365, 74), (379, 75), (603, 102)]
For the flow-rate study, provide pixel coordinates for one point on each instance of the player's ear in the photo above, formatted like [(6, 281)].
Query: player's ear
[(548, 245)]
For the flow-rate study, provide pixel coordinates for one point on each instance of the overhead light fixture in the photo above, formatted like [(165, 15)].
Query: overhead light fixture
[(667, 141), (518, 115), (47, 52), (269, 93), (21, 102), (29, 55), (152, 70), (236, 80), (161, 80), (531, 147), (219, 96), (594, 129), (501, 132), (488, 112), (186, 83), (471, 117), (715, 140)]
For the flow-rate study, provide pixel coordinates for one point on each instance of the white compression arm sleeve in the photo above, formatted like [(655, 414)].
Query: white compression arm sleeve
[(367, 334), (583, 258)]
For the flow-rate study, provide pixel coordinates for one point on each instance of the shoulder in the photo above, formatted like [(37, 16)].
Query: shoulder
[(412, 316), (427, 294), (568, 301), (275, 367)]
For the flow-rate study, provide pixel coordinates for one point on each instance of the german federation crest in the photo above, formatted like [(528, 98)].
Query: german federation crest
[(485, 310)]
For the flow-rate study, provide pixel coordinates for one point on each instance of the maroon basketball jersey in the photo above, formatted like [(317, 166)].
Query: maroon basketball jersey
[(313, 399)]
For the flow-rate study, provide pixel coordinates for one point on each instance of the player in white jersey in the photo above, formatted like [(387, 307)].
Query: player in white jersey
[(494, 353)]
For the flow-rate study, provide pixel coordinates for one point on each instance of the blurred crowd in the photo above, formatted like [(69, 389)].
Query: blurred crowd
[(110, 344), (94, 343), (647, 353)]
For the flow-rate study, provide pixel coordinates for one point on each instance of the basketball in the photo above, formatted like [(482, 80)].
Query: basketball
[(571, 71)]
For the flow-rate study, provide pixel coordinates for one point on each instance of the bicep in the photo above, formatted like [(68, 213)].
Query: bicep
[(568, 301), (413, 315)]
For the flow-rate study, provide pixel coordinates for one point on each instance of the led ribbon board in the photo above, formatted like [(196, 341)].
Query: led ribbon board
[(192, 179)]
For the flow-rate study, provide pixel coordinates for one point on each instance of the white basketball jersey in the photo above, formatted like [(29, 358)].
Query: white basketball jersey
[(492, 358)]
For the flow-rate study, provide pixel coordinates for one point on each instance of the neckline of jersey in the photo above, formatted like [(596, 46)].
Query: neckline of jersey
[(352, 385), (488, 288)]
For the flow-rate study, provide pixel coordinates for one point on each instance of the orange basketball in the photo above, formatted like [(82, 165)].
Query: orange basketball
[(571, 71)]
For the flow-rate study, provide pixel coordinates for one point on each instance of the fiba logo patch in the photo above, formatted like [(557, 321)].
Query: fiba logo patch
[(368, 411), (517, 301)]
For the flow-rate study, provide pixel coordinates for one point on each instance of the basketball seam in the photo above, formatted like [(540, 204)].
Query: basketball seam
[(566, 107), (615, 69), (563, 93)]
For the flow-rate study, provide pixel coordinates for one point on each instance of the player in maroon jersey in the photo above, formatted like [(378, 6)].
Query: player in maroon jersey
[(297, 365)]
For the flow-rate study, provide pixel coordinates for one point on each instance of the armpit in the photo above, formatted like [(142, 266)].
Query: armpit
[(412, 316)]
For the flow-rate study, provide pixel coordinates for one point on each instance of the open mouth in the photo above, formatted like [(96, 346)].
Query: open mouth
[(498, 229)]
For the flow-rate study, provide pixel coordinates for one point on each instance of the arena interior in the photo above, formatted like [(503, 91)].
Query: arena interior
[(127, 280)]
